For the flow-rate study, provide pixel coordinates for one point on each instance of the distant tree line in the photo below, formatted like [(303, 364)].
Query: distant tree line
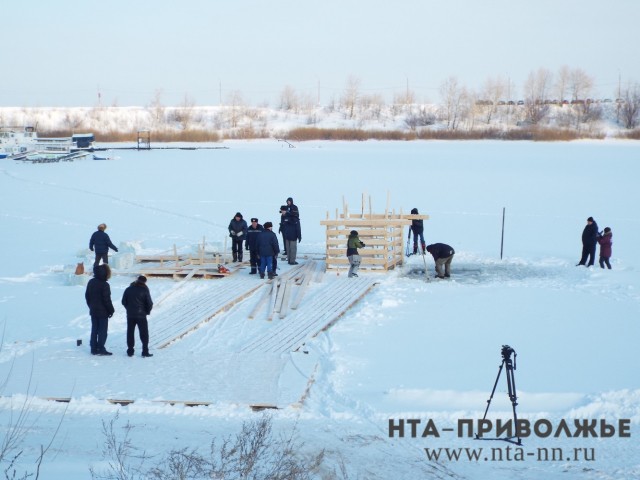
[(564, 101)]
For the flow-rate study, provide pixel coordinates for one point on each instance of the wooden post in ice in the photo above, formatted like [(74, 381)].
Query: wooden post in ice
[(502, 239)]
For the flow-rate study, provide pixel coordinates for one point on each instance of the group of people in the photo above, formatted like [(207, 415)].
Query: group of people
[(136, 299), (263, 246), (591, 237), (262, 242)]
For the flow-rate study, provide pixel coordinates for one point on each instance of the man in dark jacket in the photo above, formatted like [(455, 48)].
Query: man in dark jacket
[(283, 213), (252, 244), (101, 243), (292, 208), (267, 248), (589, 242), (292, 236), (417, 227), (137, 300), (98, 298), (442, 255), (237, 232)]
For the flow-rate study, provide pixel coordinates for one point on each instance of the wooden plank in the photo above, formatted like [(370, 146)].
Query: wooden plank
[(258, 407), (285, 300), (186, 403), (265, 296), (359, 222), (274, 297), (120, 402)]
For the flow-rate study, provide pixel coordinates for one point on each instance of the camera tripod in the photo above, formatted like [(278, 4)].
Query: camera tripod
[(511, 389)]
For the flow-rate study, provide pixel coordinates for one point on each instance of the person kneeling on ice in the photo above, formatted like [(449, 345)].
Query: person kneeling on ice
[(442, 255), (353, 243), (268, 248), (137, 300)]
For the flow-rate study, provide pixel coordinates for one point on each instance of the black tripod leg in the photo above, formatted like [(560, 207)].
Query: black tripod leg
[(493, 391), (511, 386)]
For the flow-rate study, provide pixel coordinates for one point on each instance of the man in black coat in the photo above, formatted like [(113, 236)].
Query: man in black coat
[(292, 208), (137, 300), (98, 298), (252, 244), (237, 232), (442, 255), (589, 242), (292, 236), (101, 243), (267, 249)]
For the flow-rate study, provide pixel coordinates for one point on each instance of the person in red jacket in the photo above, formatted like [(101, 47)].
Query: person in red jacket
[(605, 247)]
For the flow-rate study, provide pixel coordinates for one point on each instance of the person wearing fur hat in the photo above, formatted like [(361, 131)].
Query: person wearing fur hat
[(252, 244), (417, 227), (605, 247), (237, 232), (98, 298), (101, 243), (267, 249), (353, 244), (137, 301), (589, 241)]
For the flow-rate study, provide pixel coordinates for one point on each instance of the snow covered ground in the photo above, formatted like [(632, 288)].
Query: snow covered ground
[(410, 349)]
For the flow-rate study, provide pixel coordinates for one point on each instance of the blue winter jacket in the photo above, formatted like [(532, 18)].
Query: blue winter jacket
[(100, 242), (268, 244)]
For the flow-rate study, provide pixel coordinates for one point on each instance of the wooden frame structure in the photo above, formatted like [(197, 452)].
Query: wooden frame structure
[(382, 233)]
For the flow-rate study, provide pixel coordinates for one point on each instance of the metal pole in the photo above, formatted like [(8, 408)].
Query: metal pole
[(502, 239)]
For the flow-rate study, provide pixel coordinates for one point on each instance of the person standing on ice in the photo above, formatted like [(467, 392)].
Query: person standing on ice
[(605, 247), (98, 298), (101, 243), (353, 244), (237, 232), (283, 214), (292, 236), (252, 244), (589, 241), (417, 227), (292, 208), (442, 255), (137, 301), (267, 249)]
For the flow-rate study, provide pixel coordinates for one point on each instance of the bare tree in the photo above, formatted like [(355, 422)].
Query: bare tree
[(156, 107), (562, 83), (236, 104), (453, 97), (536, 89), (580, 89), (289, 99), (493, 91), (630, 106), (351, 94)]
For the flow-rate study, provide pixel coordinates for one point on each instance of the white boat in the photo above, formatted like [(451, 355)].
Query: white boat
[(19, 143)]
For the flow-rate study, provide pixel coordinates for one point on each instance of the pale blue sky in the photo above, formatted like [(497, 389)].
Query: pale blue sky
[(62, 53)]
